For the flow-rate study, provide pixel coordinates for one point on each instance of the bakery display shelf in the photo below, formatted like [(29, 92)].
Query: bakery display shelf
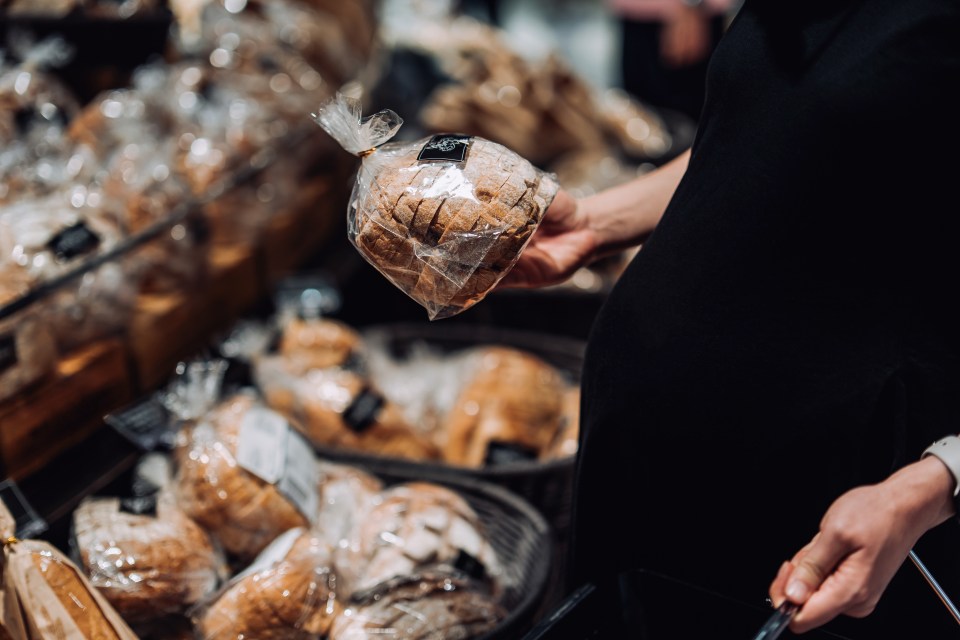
[(63, 408), (68, 403)]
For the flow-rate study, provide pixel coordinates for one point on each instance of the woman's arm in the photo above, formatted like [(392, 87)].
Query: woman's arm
[(574, 232), (864, 538)]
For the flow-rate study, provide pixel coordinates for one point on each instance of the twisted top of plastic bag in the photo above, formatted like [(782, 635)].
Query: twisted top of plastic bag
[(341, 117), (48, 53), (196, 388)]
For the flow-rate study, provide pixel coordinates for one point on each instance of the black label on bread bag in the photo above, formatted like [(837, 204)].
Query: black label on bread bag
[(470, 565), (145, 424), (8, 351), (141, 505), (73, 241), (363, 411), (446, 147), (507, 452)]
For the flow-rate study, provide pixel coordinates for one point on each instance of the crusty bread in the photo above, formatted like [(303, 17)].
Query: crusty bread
[(291, 599), (446, 232), (241, 511), (411, 526), (316, 343), (325, 405), (433, 606), (513, 398), (146, 566)]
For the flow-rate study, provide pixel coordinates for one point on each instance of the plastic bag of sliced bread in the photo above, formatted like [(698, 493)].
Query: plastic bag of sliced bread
[(443, 218), (47, 596)]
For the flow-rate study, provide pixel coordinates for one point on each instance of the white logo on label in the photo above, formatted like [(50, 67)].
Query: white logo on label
[(444, 144)]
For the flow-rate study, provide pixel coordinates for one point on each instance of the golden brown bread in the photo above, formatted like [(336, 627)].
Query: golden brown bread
[(514, 398), (243, 512), (444, 232), (336, 407), (74, 596), (315, 343), (291, 599), (146, 566)]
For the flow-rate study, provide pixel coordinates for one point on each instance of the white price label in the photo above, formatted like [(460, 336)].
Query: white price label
[(262, 446), (300, 477), (275, 552)]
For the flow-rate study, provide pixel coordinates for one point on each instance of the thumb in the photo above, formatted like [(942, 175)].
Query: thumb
[(813, 566)]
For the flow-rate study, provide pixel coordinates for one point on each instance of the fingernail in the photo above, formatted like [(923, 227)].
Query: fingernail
[(797, 591)]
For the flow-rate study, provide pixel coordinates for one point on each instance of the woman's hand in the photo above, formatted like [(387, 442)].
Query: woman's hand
[(864, 538), (561, 244)]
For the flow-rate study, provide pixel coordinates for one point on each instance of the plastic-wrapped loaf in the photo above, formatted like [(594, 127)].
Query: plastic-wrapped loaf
[(567, 440), (510, 408), (146, 565), (346, 494), (412, 526), (46, 235), (28, 351), (47, 596), (435, 605), (288, 593), (244, 511), (444, 218), (311, 342), (337, 407), (34, 106), (242, 473), (97, 304)]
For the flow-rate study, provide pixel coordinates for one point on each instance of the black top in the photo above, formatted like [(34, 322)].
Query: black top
[(787, 332)]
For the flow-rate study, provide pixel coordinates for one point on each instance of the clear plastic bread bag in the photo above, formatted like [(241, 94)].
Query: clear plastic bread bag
[(45, 595), (443, 218), (242, 473), (147, 562), (287, 593)]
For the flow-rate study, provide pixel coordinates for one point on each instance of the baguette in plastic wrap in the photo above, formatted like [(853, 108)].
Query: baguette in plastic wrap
[(47, 596), (443, 218)]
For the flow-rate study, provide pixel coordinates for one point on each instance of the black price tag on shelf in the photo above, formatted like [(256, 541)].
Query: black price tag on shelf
[(29, 524), (73, 241), (8, 351), (363, 411), (446, 148), (145, 424), (507, 452)]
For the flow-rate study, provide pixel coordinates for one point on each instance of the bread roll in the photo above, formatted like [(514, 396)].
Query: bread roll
[(513, 398), (146, 566), (412, 526), (291, 598), (434, 606), (242, 511)]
